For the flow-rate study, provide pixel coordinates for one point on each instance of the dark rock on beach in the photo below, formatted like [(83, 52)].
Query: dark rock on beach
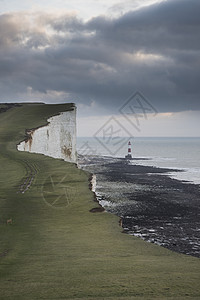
[(152, 205)]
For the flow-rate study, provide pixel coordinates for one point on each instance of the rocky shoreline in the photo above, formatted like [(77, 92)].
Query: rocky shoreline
[(152, 206)]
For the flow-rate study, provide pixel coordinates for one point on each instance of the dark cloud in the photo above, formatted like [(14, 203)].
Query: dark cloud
[(154, 50)]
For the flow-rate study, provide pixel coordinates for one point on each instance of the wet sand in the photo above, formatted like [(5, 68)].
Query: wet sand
[(152, 206)]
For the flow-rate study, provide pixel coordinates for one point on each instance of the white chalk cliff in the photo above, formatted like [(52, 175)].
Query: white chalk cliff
[(57, 139)]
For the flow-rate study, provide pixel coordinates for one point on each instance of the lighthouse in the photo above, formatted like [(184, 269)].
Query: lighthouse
[(129, 155)]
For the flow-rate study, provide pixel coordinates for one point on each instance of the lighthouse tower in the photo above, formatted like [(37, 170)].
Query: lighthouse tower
[(129, 155)]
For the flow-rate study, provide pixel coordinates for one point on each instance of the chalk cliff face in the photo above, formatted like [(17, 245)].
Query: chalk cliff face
[(57, 139)]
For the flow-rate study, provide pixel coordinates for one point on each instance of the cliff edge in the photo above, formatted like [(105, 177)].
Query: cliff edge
[(56, 139)]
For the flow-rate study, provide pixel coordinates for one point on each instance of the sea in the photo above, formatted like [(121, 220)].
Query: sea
[(156, 194), (181, 153)]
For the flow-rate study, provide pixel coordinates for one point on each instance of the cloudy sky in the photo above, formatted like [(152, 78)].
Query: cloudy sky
[(98, 53)]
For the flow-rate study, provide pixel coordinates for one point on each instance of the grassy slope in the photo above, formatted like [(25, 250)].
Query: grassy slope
[(68, 252)]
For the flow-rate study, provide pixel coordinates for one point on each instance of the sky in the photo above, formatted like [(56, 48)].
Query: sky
[(134, 62)]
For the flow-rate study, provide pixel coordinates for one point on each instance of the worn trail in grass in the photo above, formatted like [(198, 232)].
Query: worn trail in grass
[(56, 248)]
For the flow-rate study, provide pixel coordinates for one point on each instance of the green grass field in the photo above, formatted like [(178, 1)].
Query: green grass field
[(55, 248)]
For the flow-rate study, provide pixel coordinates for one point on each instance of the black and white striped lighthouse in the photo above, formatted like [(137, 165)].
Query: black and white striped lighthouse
[(129, 155)]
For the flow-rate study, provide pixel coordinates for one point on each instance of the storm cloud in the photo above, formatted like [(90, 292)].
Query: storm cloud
[(56, 58)]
